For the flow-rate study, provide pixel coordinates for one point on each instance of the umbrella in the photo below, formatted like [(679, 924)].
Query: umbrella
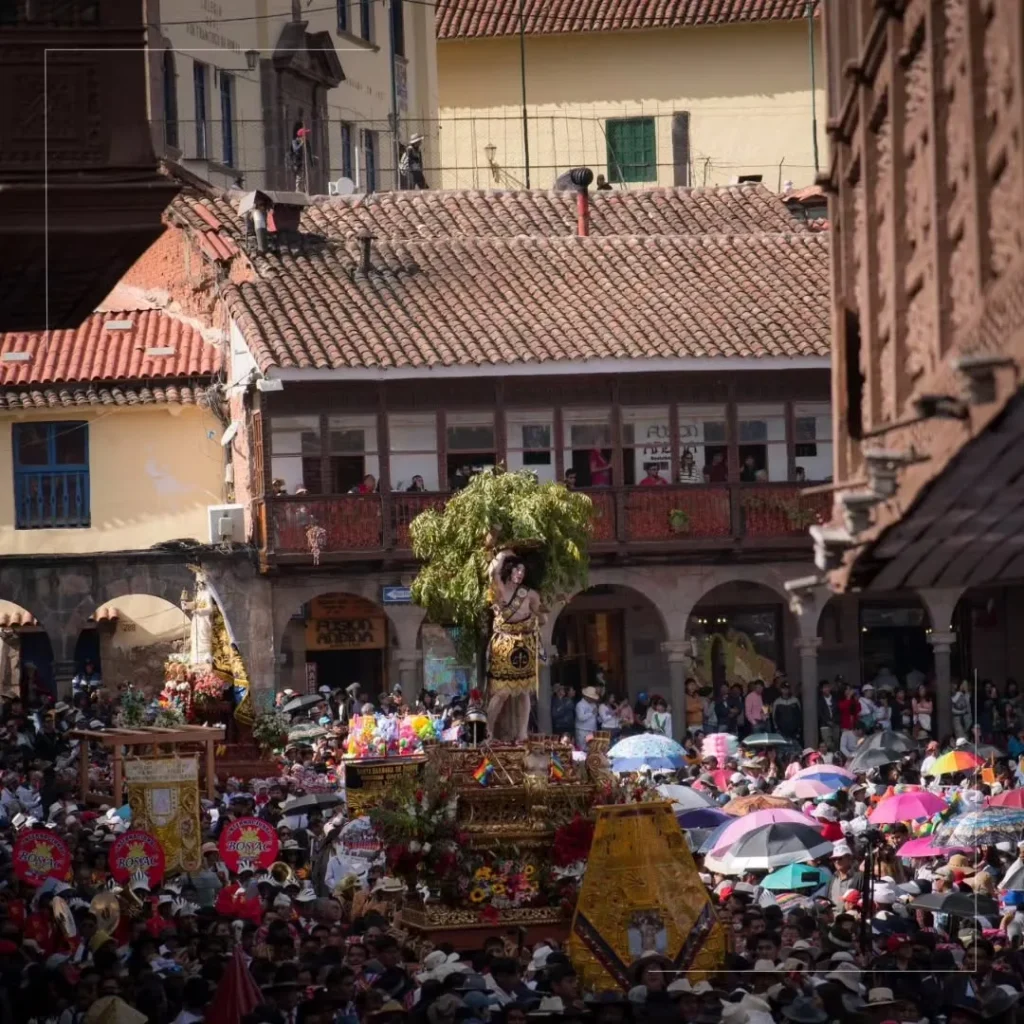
[(881, 748), (955, 761), (922, 847), (685, 798), (696, 837), (646, 750), (739, 827), (985, 751), (307, 731), (981, 828), (959, 904), (808, 789), (757, 802), (814, 771), (236, 996), (708, 818), (312, 802), (907, 807), (831, 777), (774, 846), (1008, 798), (765, 739), (796, 876), (297, 704)]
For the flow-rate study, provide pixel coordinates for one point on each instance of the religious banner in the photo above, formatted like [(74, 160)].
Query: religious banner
[(366, 780), (642, 896), (40, 854), (341, 622), (163, 794), (251, 839), (137, 851)]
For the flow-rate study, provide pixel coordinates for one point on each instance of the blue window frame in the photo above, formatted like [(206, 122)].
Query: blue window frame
[(370, 159), (51, 475), (346, 149), (202, 110), (366, 20), (342, 16), (227, 118)]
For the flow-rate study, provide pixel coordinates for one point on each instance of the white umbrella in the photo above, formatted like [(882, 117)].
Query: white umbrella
[(685, 798)]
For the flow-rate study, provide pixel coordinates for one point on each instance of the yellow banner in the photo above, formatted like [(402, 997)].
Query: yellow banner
[(163, 794)]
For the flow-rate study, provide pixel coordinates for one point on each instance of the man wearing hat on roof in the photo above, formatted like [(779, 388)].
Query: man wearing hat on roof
[(410, 164)]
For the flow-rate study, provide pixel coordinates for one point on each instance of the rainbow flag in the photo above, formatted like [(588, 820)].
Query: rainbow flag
[(484, 772), (556, 771)]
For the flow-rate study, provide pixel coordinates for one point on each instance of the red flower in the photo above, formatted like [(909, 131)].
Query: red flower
[(489, 914), (572, 842)]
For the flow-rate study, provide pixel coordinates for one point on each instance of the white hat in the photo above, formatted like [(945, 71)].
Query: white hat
[(591, 693), (885, 894), (841, 849), (847, 975), (825, 812), (765, 967), (550, 1004), (540, 957), (866, 687), (165, 898), (736, 778), (282, 901)]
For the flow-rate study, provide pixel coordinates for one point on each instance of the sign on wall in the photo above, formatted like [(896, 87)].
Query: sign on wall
[(340, 622)]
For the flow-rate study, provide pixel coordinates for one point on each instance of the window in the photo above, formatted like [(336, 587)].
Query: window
[(529, 435), (632, 152), (352, 454), (762, 443), (346, 150), (703, 444), (812, 441), (646, 444), (471, 448), (588, 441), (398, 27), (199, 72), (170, 78), (370, 159), (366, 20), (227, 119), (296, 465), (51, 475), (342, 16), (413, 440)]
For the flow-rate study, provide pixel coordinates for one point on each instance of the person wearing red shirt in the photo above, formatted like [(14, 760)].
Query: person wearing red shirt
[(654, 477), (849, 709)]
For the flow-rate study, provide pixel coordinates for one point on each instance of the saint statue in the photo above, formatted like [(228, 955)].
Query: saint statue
[(200, 607), (513, 650)]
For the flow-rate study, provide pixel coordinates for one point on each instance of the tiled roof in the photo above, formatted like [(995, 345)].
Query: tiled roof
[(477, 301), (733, 209), (97, 365), (475, 18), (73, 396)]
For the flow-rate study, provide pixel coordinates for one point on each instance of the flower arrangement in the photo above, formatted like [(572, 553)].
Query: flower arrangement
[(168, 716), (385, 736), (132, 709), (207, 688), (270, 729), (503, 884)]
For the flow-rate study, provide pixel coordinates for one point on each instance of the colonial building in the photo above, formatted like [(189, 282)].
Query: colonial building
[(927, 183), (292, 96), (111, 457), (645, 93)]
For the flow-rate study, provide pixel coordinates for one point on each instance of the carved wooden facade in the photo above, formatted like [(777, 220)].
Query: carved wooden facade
[(80, 193), (927, 207)]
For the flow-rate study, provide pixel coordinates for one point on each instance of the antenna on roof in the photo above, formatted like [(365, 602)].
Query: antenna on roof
[(342, 187)]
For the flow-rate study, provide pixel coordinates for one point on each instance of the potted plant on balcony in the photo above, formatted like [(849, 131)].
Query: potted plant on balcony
[(679, 520)]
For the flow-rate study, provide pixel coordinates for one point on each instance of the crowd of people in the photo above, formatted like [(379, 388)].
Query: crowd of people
[(323, 944)]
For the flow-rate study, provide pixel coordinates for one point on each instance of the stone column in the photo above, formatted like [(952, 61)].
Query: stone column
[(679, 653), (63, 674), (941, 644), (544, 693), (808, 648), (409, 675)]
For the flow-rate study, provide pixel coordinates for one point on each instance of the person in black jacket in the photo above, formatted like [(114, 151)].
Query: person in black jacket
[(563, 711), (786, 713), (828, 716)]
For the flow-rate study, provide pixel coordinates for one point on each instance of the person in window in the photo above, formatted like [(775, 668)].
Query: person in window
[(654, 477), (278, 487), (410, 165), (600, 469), (416, 485), (748, 471), (688, 472), (462, 477), (799, 475), (718, 471), (368, 485), (87, 680), (570, 479), (602, 184)]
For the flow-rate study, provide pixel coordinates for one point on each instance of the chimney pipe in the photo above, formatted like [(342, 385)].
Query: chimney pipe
[(365, 241), (581, 177)]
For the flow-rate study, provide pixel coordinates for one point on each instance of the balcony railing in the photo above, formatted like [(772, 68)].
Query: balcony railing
[(675, 516), (48, 500)]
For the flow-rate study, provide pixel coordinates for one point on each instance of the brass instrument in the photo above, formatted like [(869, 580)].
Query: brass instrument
[(63, 916), (282, 873), (130, 905), (107, 909)]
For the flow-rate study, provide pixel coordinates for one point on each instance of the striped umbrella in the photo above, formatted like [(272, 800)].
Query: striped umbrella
[(954, 761), (981, 828)]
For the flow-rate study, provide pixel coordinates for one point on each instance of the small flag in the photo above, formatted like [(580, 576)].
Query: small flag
[(484, 772), (557, 769)]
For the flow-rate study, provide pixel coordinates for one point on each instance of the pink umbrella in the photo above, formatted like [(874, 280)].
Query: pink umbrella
[(914, 806), (805, 789), (824, 769), (922, 847), (741, 826)]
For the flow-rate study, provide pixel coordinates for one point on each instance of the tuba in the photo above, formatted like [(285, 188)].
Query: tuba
[(63, 916), (282, 874), (107, 909), (129, 904)]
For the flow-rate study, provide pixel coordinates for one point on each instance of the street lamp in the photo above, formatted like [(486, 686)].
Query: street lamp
[(252, 58), (490, 151)]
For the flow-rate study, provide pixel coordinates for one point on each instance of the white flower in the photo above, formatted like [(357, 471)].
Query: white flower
[(426, 847), (414, 846)]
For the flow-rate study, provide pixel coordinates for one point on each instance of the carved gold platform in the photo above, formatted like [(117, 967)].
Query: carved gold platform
[(467, 929)]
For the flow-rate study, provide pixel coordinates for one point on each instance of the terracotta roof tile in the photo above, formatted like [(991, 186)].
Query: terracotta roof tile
[(461, 19), (94, 353), (73, 396), (475, 301)]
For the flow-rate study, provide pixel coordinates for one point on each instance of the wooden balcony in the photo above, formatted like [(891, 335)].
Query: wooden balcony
[(628, 519)]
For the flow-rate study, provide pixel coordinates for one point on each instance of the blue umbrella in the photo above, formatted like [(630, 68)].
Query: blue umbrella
[(795, 876), (647, 750), (703, 817), (829, 778), (709, 844)]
